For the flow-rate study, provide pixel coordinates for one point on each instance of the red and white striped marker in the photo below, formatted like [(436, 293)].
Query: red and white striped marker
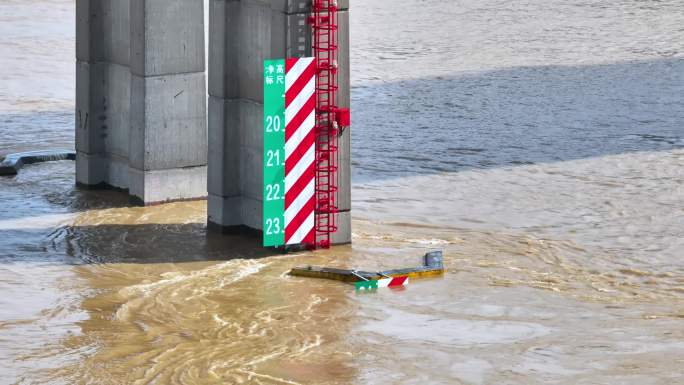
[(300, 119), (392, 282)]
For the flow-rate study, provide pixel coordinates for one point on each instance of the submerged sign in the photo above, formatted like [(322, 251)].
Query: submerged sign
[(289, 151), (373, 284)]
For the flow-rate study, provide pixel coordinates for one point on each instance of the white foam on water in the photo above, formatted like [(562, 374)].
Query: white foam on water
[(244, 268)]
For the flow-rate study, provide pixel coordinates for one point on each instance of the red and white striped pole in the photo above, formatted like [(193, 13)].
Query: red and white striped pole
[(300, 143)]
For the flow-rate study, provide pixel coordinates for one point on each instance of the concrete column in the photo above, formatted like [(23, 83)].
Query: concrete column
[(242, 34), (168, 138), (102, 89), (141, 104), (343, 234)]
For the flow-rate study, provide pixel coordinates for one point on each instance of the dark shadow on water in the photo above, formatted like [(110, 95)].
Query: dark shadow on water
[(155, 244), (146, 243), (516, 116)]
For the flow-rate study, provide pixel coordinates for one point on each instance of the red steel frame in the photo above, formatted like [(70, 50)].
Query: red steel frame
[(325, 44)]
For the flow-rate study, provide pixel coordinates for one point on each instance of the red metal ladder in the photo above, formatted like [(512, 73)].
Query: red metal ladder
[(324, 24)]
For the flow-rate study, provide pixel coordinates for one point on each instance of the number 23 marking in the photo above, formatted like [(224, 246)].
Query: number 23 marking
[(273, 226)]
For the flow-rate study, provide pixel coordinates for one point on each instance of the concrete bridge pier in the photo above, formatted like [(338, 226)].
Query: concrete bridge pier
[(141, 97), (242, 34)]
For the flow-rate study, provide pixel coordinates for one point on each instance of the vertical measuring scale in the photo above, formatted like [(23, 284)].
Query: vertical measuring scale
[(274, 153), (289, 152)]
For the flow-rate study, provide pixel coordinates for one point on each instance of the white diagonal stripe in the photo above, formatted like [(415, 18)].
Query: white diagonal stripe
[(302, 231), (298, 170), (300, 134), (298, 204), (299, 101), (385, 282), (296, 71)]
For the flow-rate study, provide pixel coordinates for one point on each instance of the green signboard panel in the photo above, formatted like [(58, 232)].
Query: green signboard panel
[(274, 153)]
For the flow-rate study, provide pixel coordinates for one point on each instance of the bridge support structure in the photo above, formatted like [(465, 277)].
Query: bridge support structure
[(242, 34), (141, 98)]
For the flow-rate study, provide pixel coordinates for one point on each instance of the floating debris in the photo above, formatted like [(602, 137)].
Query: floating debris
[(433, 266), (13, 162)]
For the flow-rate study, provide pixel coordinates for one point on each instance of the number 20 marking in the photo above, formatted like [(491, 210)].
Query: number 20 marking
[(273, 123)]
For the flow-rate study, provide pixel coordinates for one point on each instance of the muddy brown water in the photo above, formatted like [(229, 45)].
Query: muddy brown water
[(540, 144)]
